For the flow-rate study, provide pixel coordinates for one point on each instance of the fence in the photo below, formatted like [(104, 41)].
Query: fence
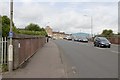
[(3, 53)]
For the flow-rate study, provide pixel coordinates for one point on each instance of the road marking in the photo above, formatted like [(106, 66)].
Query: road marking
[(115, 52), (107, 49), (100, 48), (74, 70)]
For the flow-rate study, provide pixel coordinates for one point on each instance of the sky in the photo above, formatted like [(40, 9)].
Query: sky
[(70, 16)]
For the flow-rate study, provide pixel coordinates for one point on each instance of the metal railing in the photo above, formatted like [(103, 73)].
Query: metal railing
[(24, 48), (3, 52)]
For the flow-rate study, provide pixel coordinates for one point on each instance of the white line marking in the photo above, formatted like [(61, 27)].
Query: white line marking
[(106, 49), (100, 48), (74, 70), (115, 52)]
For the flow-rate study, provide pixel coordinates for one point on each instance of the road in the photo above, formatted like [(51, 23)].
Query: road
[(83, 60)]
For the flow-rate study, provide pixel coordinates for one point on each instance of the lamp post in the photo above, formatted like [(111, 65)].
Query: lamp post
[(91, 26), (10, 48), (91, 20)]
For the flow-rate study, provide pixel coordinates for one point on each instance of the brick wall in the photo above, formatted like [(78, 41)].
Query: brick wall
[(114, 40)]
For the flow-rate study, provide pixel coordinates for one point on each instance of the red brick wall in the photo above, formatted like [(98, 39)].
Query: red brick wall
[(114, 40)]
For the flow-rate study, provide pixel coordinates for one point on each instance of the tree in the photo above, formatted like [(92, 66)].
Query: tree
[(0, 25), (6, 26), (42, 29), (107, 33), (32, 27)]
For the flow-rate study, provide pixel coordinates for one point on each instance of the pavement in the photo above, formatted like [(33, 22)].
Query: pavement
[(46, 63)]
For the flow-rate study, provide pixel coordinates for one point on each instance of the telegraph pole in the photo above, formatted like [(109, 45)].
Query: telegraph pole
[(10, 48)]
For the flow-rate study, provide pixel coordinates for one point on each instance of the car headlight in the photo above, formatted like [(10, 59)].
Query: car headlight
[(102, 43)]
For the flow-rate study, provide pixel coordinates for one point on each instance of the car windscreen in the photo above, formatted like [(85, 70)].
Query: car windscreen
[(104, 40)]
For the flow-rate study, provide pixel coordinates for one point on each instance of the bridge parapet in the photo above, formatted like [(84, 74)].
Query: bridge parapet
[(25, 46)]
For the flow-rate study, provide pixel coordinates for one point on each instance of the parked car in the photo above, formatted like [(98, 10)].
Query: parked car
[(101, 42), (79, 40), (84, 40), (54, 38), (76, 39), (64, 38), (69, 38)]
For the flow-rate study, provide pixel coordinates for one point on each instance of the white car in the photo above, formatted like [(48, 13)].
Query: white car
[(69, 38)]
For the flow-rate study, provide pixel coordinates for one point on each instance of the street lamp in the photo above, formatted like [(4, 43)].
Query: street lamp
[(10, 48), (91, 19)]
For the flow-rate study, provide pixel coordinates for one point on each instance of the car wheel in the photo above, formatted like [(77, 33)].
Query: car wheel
[(99, 45), (109, 46), (95, 45)]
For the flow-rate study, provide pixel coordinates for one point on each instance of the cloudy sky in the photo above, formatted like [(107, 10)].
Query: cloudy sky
[(69, 16)]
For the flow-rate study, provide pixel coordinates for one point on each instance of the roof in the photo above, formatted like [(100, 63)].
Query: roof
[(58, 33), (48, 27)]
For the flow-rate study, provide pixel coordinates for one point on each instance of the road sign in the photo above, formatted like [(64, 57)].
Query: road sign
[(10, 34)]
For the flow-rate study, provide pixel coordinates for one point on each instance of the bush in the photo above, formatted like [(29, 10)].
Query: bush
[(27, 32), (6, 26)]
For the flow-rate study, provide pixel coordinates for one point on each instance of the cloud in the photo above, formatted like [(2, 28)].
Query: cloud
[(4, 8), (66, 0), (66, 16)]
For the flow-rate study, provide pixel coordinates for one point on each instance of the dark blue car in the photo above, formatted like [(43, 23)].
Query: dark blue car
[(101, 42)]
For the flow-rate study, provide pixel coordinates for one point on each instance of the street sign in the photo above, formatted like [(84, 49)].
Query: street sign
[(10, 34)]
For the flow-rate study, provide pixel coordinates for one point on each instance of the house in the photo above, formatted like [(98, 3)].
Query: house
[(54, 34), (58, 35), (49, 31)]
